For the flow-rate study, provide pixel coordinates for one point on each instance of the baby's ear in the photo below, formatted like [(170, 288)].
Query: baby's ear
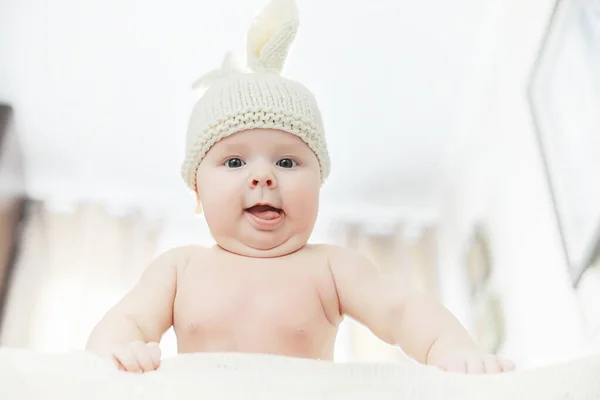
[(198, 210)]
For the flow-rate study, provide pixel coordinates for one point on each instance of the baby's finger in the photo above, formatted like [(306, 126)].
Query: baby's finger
[(155, 354), (506, 365), (475, 366), (141, 353), (491, 365), (126, 358), (118, 364), (144, 360), (457, 366)]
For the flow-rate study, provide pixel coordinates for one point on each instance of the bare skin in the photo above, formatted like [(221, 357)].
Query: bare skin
[(219, 302), (262, 289)]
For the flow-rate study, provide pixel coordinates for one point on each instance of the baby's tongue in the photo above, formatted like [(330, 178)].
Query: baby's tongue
[(264, 212)]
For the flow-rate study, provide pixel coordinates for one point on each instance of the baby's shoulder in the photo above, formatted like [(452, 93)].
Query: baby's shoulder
[(180, 256), (335, 254), (318, 250), (347, 261)]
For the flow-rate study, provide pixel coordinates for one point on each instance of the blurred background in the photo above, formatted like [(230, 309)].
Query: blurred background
[(464, 136)]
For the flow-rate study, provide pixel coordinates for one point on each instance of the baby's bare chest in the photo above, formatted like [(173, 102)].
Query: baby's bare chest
[(283, 295)]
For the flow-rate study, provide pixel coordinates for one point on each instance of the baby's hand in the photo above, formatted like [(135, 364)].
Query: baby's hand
[(138, 357), (473, 363)]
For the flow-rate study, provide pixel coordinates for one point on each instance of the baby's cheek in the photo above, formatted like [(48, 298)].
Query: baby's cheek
[(302, 200), (219, 198)]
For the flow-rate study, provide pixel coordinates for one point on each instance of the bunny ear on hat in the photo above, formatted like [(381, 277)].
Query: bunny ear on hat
[(270, 36)]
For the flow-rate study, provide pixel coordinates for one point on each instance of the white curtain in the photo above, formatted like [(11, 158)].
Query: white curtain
[(72, 267)]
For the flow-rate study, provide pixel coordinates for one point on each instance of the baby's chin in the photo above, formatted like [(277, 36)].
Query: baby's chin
[(262, 250)]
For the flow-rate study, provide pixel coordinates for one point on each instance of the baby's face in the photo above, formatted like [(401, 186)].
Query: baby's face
[(259, 190)]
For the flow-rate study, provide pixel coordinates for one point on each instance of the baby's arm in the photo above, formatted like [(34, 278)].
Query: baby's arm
[(131, 330), (415, 322)]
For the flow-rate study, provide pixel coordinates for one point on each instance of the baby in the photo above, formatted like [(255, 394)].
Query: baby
[(256, 158)]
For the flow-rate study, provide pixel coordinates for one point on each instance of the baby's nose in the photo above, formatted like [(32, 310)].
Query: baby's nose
[(263, 179)]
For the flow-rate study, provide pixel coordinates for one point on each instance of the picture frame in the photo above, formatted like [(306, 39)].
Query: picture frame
[(477, 260), (564, 99), (488, 319), (485, 301)]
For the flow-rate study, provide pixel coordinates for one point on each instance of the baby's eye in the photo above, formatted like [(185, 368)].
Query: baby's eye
[(234, 163), (287, 163)]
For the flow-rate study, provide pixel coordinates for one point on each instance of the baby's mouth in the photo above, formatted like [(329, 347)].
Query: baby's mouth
[(264, 212)]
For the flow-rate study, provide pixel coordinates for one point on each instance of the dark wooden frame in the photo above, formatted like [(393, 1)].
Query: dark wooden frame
[(12, 215)]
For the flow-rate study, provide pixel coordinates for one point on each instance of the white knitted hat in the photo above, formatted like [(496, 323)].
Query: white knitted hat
[(258, 97)]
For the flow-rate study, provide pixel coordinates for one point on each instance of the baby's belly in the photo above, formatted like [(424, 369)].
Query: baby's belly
[(305, 341), (301, 331), (309, 342), (255, 309)]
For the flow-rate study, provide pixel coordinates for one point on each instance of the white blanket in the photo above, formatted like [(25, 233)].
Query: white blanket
[(26, 374)]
